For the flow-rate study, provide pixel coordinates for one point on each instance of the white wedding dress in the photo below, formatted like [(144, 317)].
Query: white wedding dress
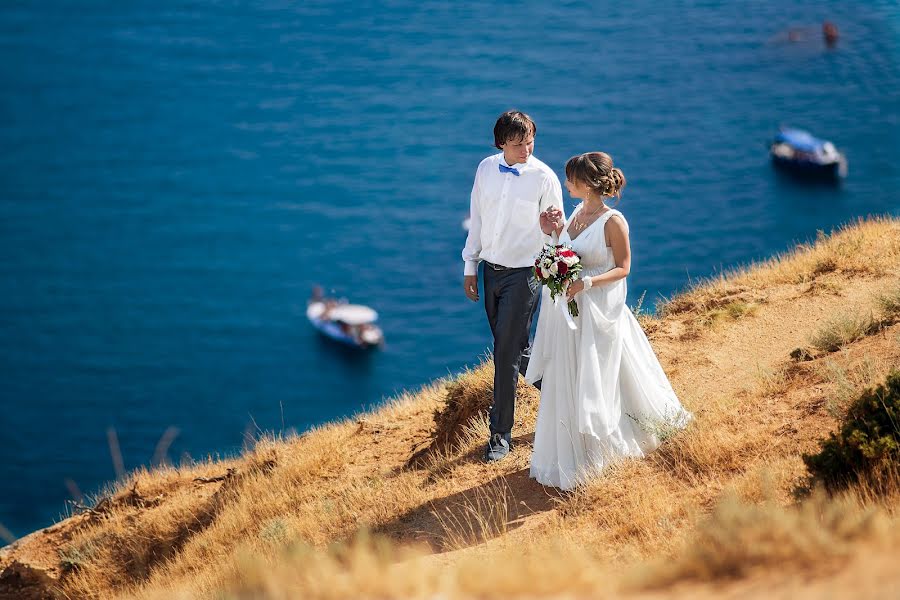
[(604, 395)]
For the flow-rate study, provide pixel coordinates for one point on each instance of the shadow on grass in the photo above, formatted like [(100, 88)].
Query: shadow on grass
[(475, 515)]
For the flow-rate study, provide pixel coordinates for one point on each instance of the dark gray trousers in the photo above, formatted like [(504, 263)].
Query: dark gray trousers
[(510, 300)]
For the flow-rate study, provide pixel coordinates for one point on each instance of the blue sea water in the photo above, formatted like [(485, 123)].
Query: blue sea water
[(175, 176)]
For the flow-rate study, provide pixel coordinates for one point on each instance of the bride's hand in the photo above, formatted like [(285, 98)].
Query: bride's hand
[(574, 288)]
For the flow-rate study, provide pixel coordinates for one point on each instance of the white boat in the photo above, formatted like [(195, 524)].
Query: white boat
[(350, 324)]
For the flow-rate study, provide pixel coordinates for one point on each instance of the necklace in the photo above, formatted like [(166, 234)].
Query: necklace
[(581, 225)]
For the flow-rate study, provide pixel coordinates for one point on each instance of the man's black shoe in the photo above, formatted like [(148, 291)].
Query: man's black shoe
[(498, 447)]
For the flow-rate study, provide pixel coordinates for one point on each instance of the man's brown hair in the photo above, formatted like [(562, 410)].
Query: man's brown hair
[(513, 125)]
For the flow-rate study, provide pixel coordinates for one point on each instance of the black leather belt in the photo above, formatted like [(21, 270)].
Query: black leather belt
[(501, 267)]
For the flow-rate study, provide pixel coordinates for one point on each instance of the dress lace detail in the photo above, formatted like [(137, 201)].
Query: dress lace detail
[(604, 395)]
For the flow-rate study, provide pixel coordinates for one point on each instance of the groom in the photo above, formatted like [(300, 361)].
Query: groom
[(511, 189)]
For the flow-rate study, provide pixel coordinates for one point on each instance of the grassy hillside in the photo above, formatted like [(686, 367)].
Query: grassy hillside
[(398, 502)]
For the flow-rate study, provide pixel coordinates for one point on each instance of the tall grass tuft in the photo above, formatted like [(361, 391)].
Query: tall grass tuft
[(843, 330), (739, 537), (480, 517), (889, 304)]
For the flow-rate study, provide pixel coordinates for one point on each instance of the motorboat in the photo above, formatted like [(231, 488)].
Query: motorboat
[(801, 153), (350, 324)]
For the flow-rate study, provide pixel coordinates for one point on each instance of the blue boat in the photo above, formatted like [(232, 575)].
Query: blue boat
[(350, 324), (801, 153)]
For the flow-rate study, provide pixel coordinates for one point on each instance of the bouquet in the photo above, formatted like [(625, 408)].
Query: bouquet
[(557, 266)]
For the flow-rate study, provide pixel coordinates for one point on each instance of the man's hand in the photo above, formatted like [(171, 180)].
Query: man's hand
[(470, 284), (551, 220)]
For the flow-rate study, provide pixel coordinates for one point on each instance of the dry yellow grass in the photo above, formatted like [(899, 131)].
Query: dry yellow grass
[(866, 249), (397, 503), (739, 538), (889, 303)]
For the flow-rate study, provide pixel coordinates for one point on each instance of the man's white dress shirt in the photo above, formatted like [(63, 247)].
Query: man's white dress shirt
[(505, 209)]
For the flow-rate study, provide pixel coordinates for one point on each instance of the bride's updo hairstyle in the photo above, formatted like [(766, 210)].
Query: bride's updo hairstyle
[(596, 170)]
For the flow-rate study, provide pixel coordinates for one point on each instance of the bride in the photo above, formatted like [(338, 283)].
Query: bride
[(604, 395)]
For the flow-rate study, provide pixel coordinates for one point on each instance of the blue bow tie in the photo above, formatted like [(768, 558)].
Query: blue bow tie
[(505, 169)]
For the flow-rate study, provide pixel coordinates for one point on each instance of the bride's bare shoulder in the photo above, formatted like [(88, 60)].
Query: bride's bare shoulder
[(616, 219), (615, 224)]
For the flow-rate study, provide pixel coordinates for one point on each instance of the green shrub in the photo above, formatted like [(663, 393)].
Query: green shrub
[(869, 439)]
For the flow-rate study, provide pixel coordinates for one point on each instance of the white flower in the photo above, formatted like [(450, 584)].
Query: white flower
[(545, 273), (554, 269)]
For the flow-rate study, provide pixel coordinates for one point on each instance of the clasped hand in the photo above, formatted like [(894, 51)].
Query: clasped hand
[(552, 220)]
